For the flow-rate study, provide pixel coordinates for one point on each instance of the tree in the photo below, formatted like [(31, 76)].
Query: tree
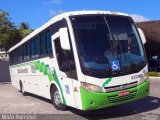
[(24, 29), (8, 31), (9, 34), (24, 26)]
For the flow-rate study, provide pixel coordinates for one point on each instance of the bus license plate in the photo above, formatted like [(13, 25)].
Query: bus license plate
[(123, 93)]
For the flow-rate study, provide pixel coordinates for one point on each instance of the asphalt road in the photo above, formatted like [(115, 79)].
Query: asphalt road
[(12, 102)]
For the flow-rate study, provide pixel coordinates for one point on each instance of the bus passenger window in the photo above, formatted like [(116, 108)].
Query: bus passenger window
[(37, 47), (32, 49), (43, 45), (28, 51), (24, 52), (49, 45), (20, 54), (15, 56)]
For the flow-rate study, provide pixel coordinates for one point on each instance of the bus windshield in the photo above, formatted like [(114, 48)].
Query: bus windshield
[(108, 45)]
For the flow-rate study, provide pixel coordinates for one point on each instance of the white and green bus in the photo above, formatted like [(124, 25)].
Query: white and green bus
[(83, 59)]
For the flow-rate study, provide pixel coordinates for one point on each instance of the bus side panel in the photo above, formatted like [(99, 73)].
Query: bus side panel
[(35, 80), (77, 94), (15, 82)]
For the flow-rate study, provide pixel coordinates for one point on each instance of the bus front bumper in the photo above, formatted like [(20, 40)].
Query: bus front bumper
[(94, 100)]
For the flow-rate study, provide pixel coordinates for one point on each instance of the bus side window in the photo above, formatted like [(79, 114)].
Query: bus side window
[(15, 56), (32, 48), (72, 65), (48, 41), (43, 44), (24, 52), (28, 51), (65, 60), (37, 51), (11, 58), (20, 54), (61, 58)]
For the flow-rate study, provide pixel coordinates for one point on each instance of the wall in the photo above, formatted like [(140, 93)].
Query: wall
[(4, 71)]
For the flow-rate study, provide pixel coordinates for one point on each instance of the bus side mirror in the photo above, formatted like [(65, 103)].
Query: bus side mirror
[(64, 39), (142, 36)]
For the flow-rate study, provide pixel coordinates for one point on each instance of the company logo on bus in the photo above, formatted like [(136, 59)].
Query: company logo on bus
[(122, 87), (22, 70), (136, 76)]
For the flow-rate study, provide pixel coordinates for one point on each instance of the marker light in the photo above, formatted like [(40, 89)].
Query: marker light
[(143, 79)]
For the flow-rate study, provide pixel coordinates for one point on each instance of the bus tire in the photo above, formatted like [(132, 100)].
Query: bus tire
[(22, 89), (56, 100)]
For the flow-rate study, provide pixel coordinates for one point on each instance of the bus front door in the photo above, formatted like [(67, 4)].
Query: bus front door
[(63, 71)]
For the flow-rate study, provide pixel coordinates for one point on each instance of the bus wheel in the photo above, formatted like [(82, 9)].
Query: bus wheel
[(56, 99), (22, 89)]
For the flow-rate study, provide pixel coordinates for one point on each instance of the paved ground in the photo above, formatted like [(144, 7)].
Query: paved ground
[(12, 102)]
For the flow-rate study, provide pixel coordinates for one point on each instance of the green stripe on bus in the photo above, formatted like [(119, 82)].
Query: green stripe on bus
[(41, 67), (51, 76), (106, 82)]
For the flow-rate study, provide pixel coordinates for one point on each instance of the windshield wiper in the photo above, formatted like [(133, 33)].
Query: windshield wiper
[(110, 35), (126, 57), (120, 47), (113, 42)]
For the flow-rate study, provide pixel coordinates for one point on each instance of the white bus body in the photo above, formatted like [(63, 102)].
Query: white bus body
[(63, 61)]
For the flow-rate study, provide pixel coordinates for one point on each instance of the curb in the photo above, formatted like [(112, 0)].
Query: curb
[(1, 83), (154, 77)]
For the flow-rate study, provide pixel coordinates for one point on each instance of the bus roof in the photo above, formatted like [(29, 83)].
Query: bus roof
[(59, 17)]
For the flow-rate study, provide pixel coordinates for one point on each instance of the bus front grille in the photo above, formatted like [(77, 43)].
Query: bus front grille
[(117, 98), (118, 87)]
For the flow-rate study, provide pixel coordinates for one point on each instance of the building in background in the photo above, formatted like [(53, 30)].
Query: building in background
[(3, 55), (151, 30), (152, 46)]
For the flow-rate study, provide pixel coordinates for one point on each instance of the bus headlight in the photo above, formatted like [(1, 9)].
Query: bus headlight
[(91, 87), (143, 79)]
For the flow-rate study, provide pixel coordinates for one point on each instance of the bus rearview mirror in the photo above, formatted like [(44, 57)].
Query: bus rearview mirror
[(64, 39), (142, 36)]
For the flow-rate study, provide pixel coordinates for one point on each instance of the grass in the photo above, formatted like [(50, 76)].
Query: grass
[(154, 74)]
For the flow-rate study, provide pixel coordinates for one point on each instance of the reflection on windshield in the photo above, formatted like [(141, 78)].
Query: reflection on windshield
[(107, 43)]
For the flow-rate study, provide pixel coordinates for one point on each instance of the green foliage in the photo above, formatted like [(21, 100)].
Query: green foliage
[(5, 22), (9, 38), (7, 29), (154, 74), (9, 34), (24, 29), (24, 32), (24, 26)]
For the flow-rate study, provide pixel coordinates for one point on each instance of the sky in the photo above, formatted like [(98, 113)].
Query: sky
[(38, 12)]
